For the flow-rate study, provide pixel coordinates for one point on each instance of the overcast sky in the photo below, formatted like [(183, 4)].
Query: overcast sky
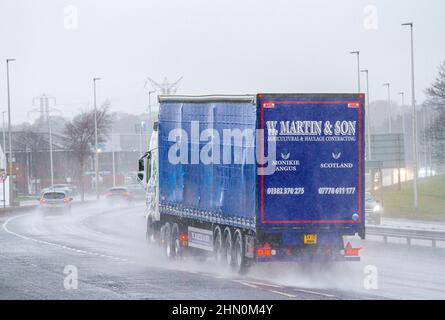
[(228, 46)]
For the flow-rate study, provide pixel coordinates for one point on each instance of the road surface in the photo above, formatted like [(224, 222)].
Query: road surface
[(106, 246)]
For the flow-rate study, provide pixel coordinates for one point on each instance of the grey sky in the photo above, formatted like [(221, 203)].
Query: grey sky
[(218, 46)]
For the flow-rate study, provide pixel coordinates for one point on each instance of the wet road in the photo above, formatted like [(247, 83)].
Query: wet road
[(106, 247)]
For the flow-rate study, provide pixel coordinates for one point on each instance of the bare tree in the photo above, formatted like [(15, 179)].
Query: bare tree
[(80, 137), (436, 103)]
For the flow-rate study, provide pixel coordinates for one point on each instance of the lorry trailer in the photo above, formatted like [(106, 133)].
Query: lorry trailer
[(257, 178)]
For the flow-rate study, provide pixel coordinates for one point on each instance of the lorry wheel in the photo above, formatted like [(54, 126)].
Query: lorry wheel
[(239, 263), (167, 241), (218, 246), (176, 242), (228, 247), (150, 231)]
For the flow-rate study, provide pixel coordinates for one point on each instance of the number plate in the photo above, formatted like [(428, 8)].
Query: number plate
[(310, 239)]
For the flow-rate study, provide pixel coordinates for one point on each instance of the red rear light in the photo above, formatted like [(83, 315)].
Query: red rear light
[(42, 200), (108, 194), (126, 194), (264, 251), (184, 237), (66, 200)]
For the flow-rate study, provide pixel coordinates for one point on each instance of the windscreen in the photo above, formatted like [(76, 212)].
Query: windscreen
[(54, 195)]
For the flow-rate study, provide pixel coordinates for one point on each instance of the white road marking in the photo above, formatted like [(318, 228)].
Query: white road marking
[(5, 227), (264, 284), (284, 294), (314, 292), (245, 283)]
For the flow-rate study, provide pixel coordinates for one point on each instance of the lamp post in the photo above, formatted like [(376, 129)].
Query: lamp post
[(368, 113), (4, 151), (358, 68), (96, 145), (413, 101), (402, 94), (11, 191), (388, 85), (140, 137), (149, 106), (4, 134)]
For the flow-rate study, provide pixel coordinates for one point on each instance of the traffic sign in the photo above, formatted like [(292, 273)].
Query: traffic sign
[(388, 149)]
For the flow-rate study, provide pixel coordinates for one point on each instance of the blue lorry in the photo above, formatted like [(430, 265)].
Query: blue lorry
[(257, 178)]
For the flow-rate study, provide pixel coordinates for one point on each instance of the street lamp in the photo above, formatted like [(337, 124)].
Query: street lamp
[(368, 113), (358, 68), (149, 106), (402, 94), (4, 151), (413, 97), (96, 145), (140, 137), (11, 192), (388, 85)]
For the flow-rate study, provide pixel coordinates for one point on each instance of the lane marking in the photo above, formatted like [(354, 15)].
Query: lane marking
[(314, 292), (264, 284), (284, 294), (245, 283), (81, 251)]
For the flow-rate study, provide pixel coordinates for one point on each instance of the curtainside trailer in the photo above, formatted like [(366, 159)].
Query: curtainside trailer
[(257, 178)]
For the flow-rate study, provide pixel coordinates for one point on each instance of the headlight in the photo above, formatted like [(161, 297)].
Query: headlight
[(377, 208)]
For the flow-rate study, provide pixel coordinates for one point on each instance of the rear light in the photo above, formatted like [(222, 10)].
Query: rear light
[(350, 251), (42, 200), (126, 194), (265, 250), (184, 239), (108, 194), (66, 200)]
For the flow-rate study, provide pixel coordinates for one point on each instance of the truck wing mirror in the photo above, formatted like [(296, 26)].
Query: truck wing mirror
[(141, 165)]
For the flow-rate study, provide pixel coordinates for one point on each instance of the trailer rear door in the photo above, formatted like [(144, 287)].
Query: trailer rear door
[(318, 169)]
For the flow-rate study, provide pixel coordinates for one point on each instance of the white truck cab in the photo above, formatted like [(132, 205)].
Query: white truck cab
[(148, 177)]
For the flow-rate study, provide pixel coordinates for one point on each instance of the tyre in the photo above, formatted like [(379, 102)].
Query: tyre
[(239, 258), (218, 247), (149, 234), (167, 241), (228, 245), (176, 242)]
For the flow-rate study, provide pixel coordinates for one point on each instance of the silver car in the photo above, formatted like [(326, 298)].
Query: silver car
[(55, 201), (373, 209)]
